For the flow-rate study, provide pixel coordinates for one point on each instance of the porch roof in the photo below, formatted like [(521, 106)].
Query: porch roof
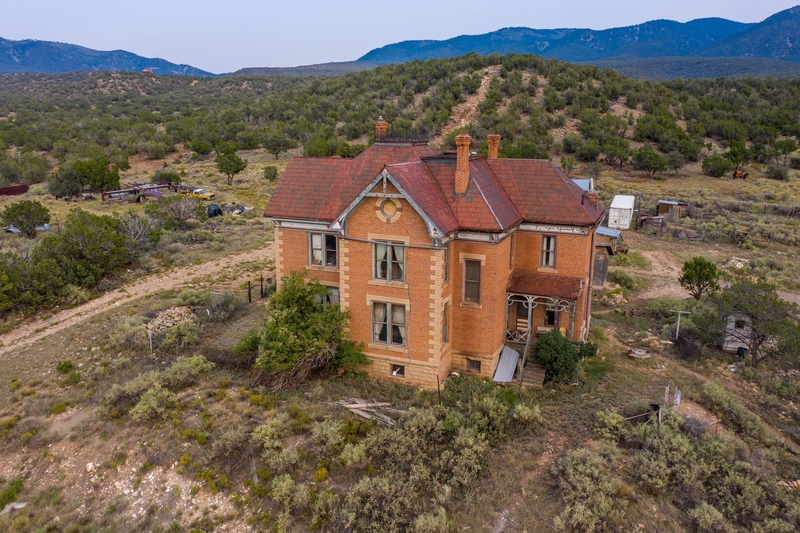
[(534, 284)]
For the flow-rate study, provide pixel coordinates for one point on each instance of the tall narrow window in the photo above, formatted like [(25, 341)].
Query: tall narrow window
[(472, 281), (549, 251), (389, 324), (390, 261), (322, 249), (446, 323), (447, 264), (511, 253)]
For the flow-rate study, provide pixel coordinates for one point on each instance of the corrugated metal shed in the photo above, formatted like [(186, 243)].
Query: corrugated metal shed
[(506, 366), (608, 232), (621, 212)]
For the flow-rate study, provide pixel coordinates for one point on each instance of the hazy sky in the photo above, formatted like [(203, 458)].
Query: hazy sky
[(223, 36)]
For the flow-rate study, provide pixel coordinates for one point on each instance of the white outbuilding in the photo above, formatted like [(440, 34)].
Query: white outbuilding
[(621, 212)]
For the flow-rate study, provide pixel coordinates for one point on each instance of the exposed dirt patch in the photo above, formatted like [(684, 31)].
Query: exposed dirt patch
[(467, 113)]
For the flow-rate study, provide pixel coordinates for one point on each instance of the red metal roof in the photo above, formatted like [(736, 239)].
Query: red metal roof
[(544, 194), (321, 188), (544, 285), (501, 192)]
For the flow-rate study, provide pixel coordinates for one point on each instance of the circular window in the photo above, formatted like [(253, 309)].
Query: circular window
[(389, 208)]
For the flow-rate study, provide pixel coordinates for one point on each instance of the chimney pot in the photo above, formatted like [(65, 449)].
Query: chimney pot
[(594, 198), (493, 141), (462, 162), (380, 128)]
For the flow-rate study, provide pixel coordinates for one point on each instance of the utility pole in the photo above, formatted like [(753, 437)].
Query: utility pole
[(678, 329)]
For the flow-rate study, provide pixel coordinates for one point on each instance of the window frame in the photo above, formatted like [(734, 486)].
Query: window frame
[(397, 371), (324, 249), (511, 252), (447, 264), (466, 281), (473, 362), (446, 323), (548, 255), (389, 342), (389, 260)]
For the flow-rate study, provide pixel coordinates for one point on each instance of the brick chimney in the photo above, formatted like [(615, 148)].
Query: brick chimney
[(380, 128), (593, 197), (494, 145), (462, 162)]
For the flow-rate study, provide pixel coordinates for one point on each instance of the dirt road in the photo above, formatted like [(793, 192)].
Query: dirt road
[(33, 331)]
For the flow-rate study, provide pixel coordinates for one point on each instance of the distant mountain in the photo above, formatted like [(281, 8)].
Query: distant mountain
[(651, 39), (53, 58), (670, 68), (777, 37), (519, 40)]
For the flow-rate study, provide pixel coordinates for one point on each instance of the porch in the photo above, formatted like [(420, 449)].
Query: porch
[(535, 304), (538, 303)]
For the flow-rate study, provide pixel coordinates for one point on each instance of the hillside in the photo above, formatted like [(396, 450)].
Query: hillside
[(52, 57)]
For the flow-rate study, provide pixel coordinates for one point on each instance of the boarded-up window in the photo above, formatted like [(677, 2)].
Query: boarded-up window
[(600, 267)]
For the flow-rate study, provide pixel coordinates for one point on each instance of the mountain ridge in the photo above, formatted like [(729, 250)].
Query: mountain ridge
[(51, 57)]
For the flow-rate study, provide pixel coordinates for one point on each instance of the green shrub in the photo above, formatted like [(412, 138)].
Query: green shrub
[(610, 425), (631, 259), (182, 335), (58, 409), (185, 371), (730, 407), (559, 356), (194, 298), (623, 279), (270, 173), (708, 519), (321, 474), (9, 494), (154, 403), (650, 471), (716, 166), (74, 377), (591, 500), (777, 173), (64, 367), (248, 343)]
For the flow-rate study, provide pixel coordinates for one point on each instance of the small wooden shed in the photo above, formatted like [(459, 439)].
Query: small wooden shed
[(671, 209)]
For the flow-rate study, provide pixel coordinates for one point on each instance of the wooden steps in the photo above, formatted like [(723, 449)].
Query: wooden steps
[(532, 375)]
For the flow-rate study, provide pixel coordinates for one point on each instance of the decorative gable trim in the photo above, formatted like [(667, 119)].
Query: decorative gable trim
[(553, 228), (383, 178)]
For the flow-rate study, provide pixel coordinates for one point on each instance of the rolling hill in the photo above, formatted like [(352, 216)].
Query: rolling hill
[(53, 58)]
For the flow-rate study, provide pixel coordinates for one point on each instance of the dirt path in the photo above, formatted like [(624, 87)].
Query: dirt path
[(467, 113), (33, 331)]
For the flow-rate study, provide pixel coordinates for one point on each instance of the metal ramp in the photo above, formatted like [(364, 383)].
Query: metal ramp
[(506, 366)]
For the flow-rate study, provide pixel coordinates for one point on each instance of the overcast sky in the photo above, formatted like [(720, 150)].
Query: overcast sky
[(224, 36)]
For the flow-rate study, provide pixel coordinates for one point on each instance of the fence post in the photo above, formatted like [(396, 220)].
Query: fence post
[(262, 287), (249, 294)]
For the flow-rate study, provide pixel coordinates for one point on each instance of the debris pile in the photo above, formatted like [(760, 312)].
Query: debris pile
[(791, 485), (368, 410), (737, 263), (639, 353), (170, 317)]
